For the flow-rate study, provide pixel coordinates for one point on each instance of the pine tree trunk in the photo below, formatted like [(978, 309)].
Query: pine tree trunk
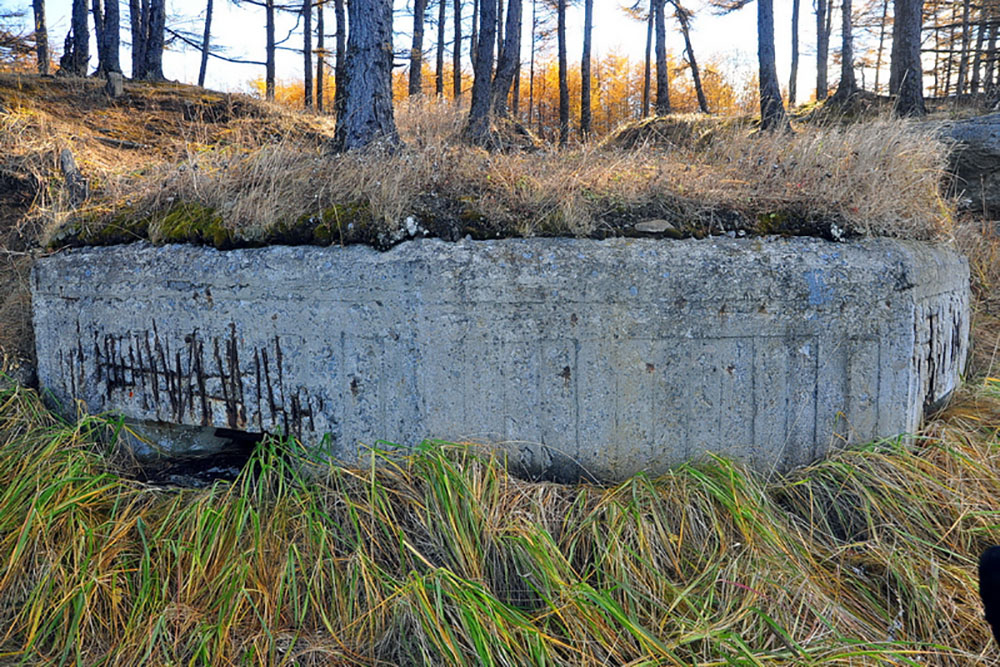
[(339, 73), (417, 48), (478, 127), (95, 10), (307, 74), (456, 54), (41, 36), (510, 59), (977, 58), (439, 63), (474, 37), (563, 75), (848, 86), (822, 48), (204, 44), (793, 78), (531, 66), (269, 66), (647, 65), (500, 34), (320, 54), (77, 52), (112, 37), (662, 78), (989, 84), (906, 64), (137, 21), (156, 22), (684, 18), (963, 58), (367, 117), (588, 26), (881, 43), (772, 112)]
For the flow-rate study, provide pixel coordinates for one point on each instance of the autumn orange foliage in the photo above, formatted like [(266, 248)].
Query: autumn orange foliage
[(616, 96)]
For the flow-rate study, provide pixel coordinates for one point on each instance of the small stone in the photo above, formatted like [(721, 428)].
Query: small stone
[(657, 227)]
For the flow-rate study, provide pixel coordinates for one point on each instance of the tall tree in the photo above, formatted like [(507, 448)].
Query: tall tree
[(417, 48), (588, 26), (339, 71), (456, 53), (148, 21), (793, 77), (822, 46), (847, 87), (881, 43), (270, 49), (76, 52), (963, 57), (477, 128), (906, 69), (439, 64), (109, 45), (320, 54), (563, 77), (206, 38), (367, 116), (772, 112), (510, 59), (41, 36), (662, 79), (307, 74), (684, 18), (647, 64)]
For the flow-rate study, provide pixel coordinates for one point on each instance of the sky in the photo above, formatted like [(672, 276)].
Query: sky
[(731, 38)]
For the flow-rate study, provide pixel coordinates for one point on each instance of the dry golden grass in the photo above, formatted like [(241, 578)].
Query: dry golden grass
[(248, 168)]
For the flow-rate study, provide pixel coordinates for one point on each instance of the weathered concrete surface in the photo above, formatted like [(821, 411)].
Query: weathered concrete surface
[(600, 357)]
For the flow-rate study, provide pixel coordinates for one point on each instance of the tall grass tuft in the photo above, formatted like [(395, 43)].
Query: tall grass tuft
[(443, 558)]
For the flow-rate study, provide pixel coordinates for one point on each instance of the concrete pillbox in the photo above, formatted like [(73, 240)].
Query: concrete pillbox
[(579, 357)]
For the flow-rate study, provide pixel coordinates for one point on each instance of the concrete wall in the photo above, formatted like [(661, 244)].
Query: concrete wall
[(600, 357)]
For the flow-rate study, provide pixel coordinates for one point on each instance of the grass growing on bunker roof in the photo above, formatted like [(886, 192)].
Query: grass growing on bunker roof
[(442, 558), (264, 174)]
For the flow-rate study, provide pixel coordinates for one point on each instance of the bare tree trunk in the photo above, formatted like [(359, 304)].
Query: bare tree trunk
[(977, 59), (339, 69), (588, 27), (41, 36), (684, 18), (951, 46), (307, 73), (474, 37), (367, 117), (478, 127), (320, 54), (439, 63), (76, 56), (648, 69), (531, 67), (269, 66), (95, 10), (906, 66), (204, 43), (881, 43), (822, 48), (772, 112), (662, 78), (456, 54), (793, 77), (108, 31), (500, 35), (138, 16), (963, 57), (510, 59), (991, 56), (563, 75), (417, 48), (848, 86)]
